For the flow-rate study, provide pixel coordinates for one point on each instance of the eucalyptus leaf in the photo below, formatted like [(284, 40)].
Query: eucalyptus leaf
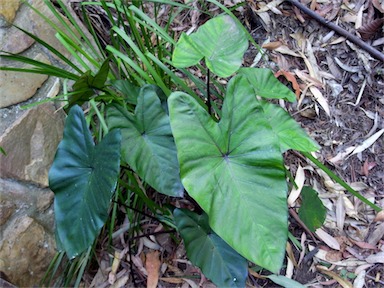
[(234, 170), (220, 41), (83, 177), (312, 211), (285, 282), (149, 147), (216, 259)]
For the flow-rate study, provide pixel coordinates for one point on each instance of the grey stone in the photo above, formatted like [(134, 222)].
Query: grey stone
[(14, 40), (6, 210), (16, 87), (31, 143)]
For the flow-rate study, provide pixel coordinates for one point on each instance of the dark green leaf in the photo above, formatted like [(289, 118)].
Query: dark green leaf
[(312, 211), (234, 170), (85, 87), (129, 91), (101, 76), (82, 90), (149, 147), (83, 177), (216, 259)]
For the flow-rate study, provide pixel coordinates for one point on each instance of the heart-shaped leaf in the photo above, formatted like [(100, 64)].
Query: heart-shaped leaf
[(216, 259), (149, 147), (83, 177), (234, 170), (266, 85), (312, 210), (220, 40)]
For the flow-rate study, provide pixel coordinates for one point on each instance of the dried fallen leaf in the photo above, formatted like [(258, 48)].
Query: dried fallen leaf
[(368, 142), (379, 5), (376, 258), (341, 155), (172, 280), (272, 45), (115, 266), (377, 234), (359, 281), (291, 78), (327, 239), (283, 49), (379, 216), (295, 192), (351, 69), (368, 30), (320, 99), (343, 282), (152, 265), (120, 282)]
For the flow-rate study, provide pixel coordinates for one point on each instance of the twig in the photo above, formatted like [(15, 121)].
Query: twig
[(375, 53)]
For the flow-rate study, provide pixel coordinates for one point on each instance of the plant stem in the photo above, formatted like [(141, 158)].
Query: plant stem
[(341, 182), (209, 105)]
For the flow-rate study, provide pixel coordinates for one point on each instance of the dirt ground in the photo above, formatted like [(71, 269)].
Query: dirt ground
[(340, 93)]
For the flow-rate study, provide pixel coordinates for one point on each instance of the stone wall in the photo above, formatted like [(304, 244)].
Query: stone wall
[(30, 138)]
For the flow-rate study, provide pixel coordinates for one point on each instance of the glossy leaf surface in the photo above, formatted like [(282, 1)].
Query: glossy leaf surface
[(83, 177), (220, 41), (149, 147), (216, 259), (234, 170)]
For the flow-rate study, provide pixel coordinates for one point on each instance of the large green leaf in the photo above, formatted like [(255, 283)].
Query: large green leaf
[(234, 170), (186, 53), (288, 131), (266, 85), (216, 259), (312, 211), (83, 177), (149, 147), (220, 40)]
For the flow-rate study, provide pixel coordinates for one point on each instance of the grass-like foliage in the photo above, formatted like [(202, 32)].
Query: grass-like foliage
[(157, 127)]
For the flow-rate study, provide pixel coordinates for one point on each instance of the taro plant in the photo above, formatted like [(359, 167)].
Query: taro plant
[(232, 166), (230, 163)]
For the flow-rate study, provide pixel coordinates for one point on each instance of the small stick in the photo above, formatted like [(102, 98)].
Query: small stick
[(375, 53)]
